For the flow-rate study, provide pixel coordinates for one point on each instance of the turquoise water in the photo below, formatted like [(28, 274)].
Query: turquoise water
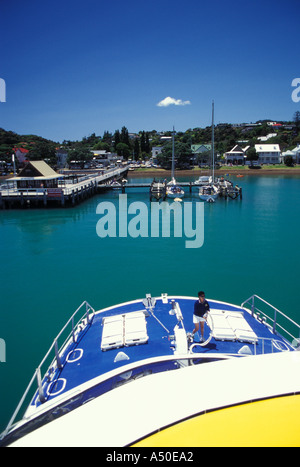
[(52, 260)]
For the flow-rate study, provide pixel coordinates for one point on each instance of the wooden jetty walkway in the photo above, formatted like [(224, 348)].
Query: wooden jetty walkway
[(69, 190), (233, 192), (75, 188)]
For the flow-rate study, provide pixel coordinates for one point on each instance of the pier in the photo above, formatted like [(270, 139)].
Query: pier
[(232, 192), (73, 188), (68, 191)]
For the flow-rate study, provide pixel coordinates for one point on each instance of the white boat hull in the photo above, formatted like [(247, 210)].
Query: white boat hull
[(208, 193), (174, 195)]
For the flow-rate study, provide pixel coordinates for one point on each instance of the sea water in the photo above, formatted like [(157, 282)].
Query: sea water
[(52, 260)]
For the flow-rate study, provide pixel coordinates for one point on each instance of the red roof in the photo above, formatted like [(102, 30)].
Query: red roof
[(24, 151)]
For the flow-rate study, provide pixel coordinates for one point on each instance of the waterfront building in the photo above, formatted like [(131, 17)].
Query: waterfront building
[(268, 153), (236, 155), (35, 175), (294, 153), (201, 152)]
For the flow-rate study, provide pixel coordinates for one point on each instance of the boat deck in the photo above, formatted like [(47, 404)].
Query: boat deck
[(124, 343), (85, 360)]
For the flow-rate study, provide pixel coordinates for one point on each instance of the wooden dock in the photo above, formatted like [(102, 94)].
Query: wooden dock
[(71, 191), (233, 192), (68, 192)]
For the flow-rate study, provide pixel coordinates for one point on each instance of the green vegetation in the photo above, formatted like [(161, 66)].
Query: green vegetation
[(139, 146)]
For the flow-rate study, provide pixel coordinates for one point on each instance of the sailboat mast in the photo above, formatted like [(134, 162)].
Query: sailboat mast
[(173, 155), (213, 142)]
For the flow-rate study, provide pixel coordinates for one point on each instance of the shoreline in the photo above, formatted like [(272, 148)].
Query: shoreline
[(197, 172), (162, 173)]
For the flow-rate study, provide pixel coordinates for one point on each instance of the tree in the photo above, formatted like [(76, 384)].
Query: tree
[(43, 151), (136, 149), (107, 138), (82, 155), (125, 136), (147, 144), (252, 155), (143, 142), (117, 139), (289, 162), (102, 147), (123, 150), (183, 154)]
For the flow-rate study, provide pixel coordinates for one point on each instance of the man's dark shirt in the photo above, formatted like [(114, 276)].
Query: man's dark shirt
[(201, 308)]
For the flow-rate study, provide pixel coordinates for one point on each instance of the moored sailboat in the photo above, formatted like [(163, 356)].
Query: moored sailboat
[(173, 189), (211, 191)]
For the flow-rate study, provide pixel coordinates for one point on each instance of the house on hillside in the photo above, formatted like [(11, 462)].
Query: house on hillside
[(294, 153), (201, 153), (156, 150), (236, 156), (105, 158), (200, 148), (36, 175), (268, 153)]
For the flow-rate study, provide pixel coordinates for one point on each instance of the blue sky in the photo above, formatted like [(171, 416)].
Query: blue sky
[(73, 68)]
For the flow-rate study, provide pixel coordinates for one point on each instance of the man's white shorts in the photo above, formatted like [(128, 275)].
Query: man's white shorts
[(198, 319)]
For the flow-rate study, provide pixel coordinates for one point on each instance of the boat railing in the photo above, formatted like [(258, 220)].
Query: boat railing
[(278, 321), (87, 317)]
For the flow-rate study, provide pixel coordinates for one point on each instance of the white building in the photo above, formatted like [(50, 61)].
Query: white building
[(295, 153), (106, 158), (237, 155), (156, 150), (268, 153), (265, 138)]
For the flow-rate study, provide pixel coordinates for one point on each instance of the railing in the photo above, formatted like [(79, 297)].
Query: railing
[(11, 189), (274, 320), (57, 359), (137, 370)]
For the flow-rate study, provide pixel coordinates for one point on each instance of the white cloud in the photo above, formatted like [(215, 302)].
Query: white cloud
[(171, 101)]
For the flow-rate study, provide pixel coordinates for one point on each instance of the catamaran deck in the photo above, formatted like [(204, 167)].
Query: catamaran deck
[(101, 347), (124, 343)]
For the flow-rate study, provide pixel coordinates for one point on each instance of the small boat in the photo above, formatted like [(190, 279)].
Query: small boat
[(174, 190), (158, 189), (134, 375), (203, 180), (209, 193)]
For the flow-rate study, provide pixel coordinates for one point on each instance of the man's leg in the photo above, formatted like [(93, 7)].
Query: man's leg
[(202, 329)]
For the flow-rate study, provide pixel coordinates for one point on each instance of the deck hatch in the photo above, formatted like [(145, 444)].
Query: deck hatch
[(232, 326), (124, 330)]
